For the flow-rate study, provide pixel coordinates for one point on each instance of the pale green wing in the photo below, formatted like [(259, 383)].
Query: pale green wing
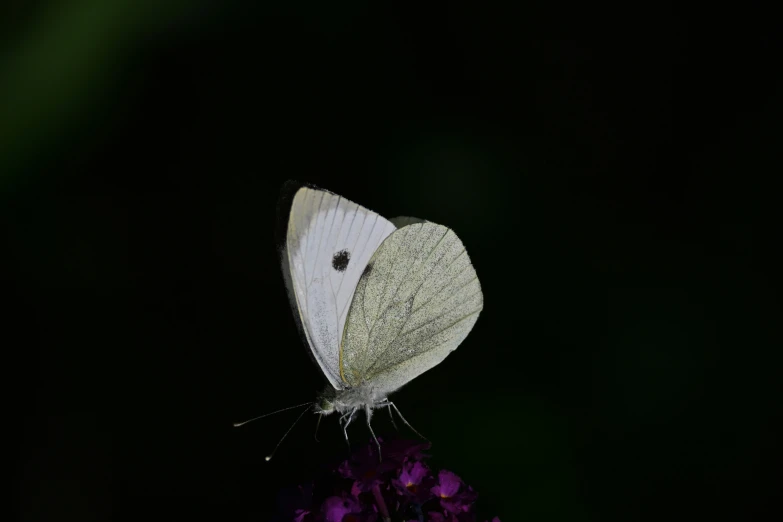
[(416, 301)]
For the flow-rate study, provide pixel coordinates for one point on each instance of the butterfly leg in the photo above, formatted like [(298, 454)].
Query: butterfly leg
[(345, 427), (406, 422), (368, 411), (391, 416), (385, 402), (317, 424)]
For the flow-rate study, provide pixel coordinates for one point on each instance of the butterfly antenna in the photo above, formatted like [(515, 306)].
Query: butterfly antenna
[(269, 457), (238, 424)]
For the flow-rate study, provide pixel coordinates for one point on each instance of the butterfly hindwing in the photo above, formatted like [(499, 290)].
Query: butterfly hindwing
[(415, 302)]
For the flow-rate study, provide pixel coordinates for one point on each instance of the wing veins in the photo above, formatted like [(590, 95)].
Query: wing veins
[(369, 336), (302, 255), (329, 235), (295, 225), (364, 312), (331, 284), (418, 271), (455, 323), (320, 238), (385, 286), (340, 287), (453, 278), (443, 314), (364, 220)]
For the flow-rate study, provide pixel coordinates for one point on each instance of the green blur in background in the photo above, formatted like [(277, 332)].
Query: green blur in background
[(613, 184)]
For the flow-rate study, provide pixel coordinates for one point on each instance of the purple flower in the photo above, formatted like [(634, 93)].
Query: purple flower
[(451, 498), (412, 474), (448, 484), (367, 489), (366, 468), (335, 508), (414, 482)]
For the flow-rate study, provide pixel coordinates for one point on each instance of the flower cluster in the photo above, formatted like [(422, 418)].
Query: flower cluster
[(400, 487)]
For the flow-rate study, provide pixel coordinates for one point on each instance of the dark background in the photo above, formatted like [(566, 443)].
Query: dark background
[(613, 172)]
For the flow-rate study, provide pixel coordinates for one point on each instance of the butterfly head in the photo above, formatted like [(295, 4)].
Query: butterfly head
[(324, 406), (325, 403)]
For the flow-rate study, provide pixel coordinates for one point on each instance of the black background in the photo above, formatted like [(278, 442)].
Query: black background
[(613, 172)]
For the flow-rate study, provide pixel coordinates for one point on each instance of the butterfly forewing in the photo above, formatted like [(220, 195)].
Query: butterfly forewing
[(329, 241)]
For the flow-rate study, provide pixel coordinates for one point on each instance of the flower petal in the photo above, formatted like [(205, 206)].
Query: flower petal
[(448, 484), (335, 508)]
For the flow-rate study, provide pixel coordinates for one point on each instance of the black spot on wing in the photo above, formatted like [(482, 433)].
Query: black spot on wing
[(340, 260), (367, 270)]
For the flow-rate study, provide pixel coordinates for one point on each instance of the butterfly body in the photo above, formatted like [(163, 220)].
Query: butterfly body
[(349, 399)]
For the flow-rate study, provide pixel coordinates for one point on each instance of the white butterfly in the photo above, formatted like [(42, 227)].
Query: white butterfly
[(379, 302)]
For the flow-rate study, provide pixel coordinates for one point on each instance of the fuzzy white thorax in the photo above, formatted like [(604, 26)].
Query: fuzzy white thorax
[(347, 400)]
